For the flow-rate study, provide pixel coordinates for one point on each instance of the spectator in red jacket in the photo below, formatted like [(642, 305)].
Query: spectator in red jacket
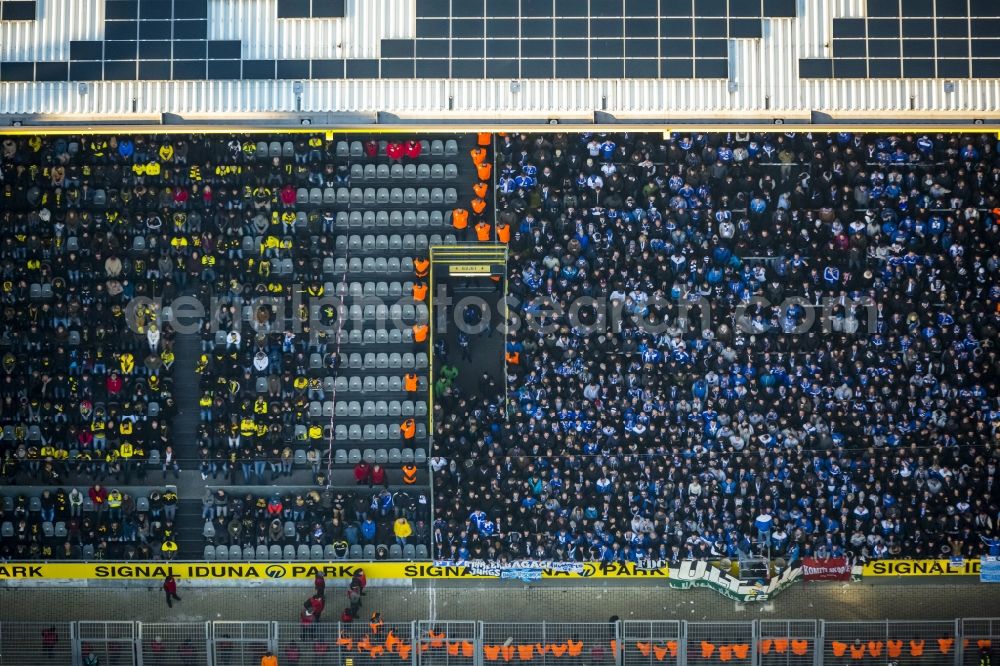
[(412, 149), (371, 148), (377, 477), (99, 496), (394, 151), (288, 196), (113, 383), (317, 604), (362, 473)]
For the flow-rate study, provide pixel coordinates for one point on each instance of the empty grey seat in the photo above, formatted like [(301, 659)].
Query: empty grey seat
[(397, 172), (409, 552), (303, 552), (395, 552), (342, 149), (340, 457), (288, 553), (209, 554), (356, 553), (369, 552), (235, 553), (249, 554), (381, 171), (315, 552), (421, 551), (274, 553), (261, 553), (357, 150), (437, 147), (450, 148), (221, 553), (450, 171)]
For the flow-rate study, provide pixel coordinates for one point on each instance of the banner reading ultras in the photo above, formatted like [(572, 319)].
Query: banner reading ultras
[(954, 567), (304, 570)]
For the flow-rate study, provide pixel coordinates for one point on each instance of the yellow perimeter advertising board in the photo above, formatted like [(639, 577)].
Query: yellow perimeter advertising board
[(956, 567), (303, 570)]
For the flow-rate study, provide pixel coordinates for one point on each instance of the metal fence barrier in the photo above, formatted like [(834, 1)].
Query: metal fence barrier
[(788, 642), (652, 643), (170, 643), (551, 643), (903, 642), (113, 643), (447, 643), (333, 643), (963, 642), (37, 643), (240, 643), (980, 636), (714, 642)]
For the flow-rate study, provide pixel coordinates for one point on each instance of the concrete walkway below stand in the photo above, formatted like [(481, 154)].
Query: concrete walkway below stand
[(510, 603)]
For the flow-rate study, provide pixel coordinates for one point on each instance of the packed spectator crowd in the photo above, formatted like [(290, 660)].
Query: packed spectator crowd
[(96, 523), (83, 393), (832, 377), (820, 314)]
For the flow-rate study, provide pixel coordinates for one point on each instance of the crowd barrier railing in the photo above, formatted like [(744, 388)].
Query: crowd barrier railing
[(961, 642)]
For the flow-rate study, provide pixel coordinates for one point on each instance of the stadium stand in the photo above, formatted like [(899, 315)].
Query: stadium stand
[(830, 388), (89, 523)]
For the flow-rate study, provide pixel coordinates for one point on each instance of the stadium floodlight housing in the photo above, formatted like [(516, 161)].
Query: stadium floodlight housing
[(83, 88), (515, 86), (17, 123), (733, 86), (306, 121), (779, 121), (949, 86), (298, 87), (978, 121)]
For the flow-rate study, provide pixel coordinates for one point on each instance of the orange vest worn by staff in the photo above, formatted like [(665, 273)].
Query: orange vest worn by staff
[(460, 218), (420, 291), (420, 333), (409, 474), (478, 205), (481, 190), (503, 232), (410, 382), (483, 231), (421, 267), (484, 139), (484, 170), (409, 429), (478, 155), (513, 357)]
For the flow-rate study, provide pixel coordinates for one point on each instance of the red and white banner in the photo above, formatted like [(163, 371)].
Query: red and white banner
[(832, 568)]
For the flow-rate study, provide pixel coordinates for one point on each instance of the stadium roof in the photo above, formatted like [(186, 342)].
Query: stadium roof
[(507, 59)]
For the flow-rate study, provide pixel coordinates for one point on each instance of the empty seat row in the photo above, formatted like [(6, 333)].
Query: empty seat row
[(390, 265), (379, 432), (435, 148), (359, 384), (371, 288), (310, 553), (379, 316), (386, 242), (370, 196), (381, 361), (391, 456), (370, 219), (404, 172), (368, 408), (274, 149)]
